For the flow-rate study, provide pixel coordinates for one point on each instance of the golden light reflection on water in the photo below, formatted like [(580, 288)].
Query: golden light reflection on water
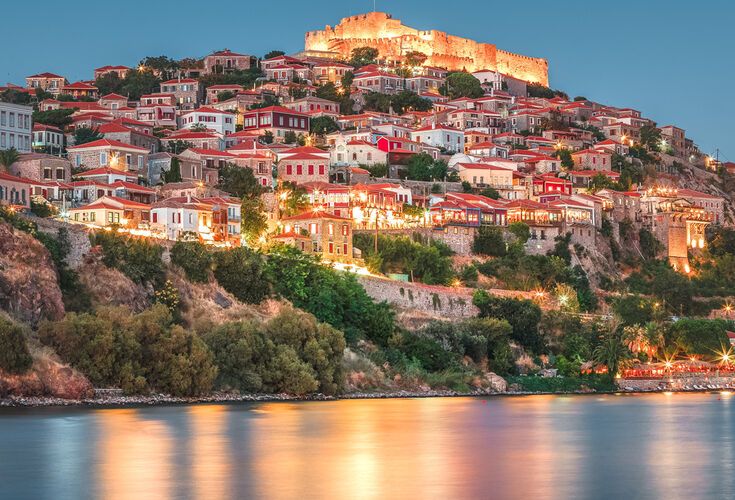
[(134, 457), (523, 447)]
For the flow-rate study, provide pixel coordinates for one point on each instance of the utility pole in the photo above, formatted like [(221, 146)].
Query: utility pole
[(376, 231)]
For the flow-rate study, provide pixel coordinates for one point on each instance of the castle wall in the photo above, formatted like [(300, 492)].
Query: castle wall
[(393, 40)]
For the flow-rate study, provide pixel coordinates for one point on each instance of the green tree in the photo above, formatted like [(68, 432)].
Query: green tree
[(362, 56), (267, 137), (651, 137), (375, 101), (59, 118), (406, 101), (377, 169), (173, 174), (139, 82), (700, 336), (612, 353), (14, 355), (523, 315), (163, 65), (566, 158), (225, 95), (194, 258), (8, 157), (290, 137), (323, 125), (238, 181), (489, 241), (274, 53), (254, 220), (109, 83), (240, 271), (520, 230), (14, 96), (84, 135), (461, 84)]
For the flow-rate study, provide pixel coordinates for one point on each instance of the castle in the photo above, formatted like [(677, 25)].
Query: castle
[(394, 40)]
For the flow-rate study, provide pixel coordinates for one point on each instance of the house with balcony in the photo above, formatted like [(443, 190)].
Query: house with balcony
[(49, 82), (110, 210), (226, 61), (158, 110), (80, 90), (211, 220), (441, 136), (221, 122), (276, 119)]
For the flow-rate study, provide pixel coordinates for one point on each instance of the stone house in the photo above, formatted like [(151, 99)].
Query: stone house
[(117, 132), (226, 61), (42, 167), (109, 153), (321, 233), (304, 167), (185, 90), (49, 82)]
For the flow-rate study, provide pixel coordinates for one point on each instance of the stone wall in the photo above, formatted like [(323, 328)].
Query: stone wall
[(439, 301), (393, 39), (79, 244), (676, 383)]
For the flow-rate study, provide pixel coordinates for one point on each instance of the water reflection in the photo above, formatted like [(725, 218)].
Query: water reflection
[(652, 446)]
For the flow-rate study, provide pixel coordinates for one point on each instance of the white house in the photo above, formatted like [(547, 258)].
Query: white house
[(440, 136), (222, 122), (15, 127)]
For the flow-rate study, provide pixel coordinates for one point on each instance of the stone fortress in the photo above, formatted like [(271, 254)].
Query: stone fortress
[(394, 40)]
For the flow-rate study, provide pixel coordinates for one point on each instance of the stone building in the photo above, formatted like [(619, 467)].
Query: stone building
[(42, 167), (393, 39)]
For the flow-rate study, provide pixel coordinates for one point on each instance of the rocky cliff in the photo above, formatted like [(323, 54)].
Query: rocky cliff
[(29, 288)]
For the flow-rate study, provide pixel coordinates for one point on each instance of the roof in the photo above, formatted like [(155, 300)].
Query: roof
[(484, 166), (45, 75), (183, 80), (107, 143), (276, 109), (303, 156), (211, 152), (592, 173), (103, 171), (112, 96), (437, 127), (112, 127), (50, 128), (79, 86), (697, 194), (132, 187), (105, 202), (305, 150), (207, 109), (315, 214)]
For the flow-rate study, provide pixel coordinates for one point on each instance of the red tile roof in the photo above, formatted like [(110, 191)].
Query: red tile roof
[(107, 143)]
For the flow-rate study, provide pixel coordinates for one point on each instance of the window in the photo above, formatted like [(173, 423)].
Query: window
[(311, 170), (289, 169), (299, 169), (321, 169), (103, 158), (331, 247)]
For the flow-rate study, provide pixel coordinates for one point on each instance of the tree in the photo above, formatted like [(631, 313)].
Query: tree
[(409, 101), (415, 58), (323, 125), (651, 137), (109, 83), (521, 231), (164, 66), (267, 137), (377, 169), (238, 181), (240, 271), (15, 96), (140, 82), (422, 167), (173, 174), (254, 220), (274, 53), (84, 135), (491, 193), (461, 84), (178, 146), (225, 95), (194, 258), (523, 315), (14, 355), (362, 56), (375, 101), (566, 158), (611, 352), (290, 137), (700, 336), (8, 157), (489, 241), (59, 118)]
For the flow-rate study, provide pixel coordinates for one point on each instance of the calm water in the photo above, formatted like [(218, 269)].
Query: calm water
[(652, 446)]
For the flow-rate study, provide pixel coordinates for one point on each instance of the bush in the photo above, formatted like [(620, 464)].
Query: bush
[(138, 259), (291, 353), (489, 241), (240, 271), (14, 355), (137, 352), (523, 315), (194, 258), (700, 336), (333, 297)]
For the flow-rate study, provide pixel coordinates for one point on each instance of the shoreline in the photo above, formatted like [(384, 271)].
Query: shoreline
[(227, 398)]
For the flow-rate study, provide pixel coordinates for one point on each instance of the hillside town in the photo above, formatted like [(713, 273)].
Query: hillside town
[(347, 155)]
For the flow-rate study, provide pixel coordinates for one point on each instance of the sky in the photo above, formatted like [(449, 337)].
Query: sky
[(673, 60)]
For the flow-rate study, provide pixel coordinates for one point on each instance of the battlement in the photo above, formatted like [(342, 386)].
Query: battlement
[(393, 40)]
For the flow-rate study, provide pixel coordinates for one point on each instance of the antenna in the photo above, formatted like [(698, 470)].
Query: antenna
[(373, 5)]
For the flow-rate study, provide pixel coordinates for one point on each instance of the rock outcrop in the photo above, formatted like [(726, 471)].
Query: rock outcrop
[(47, 377), (29, 288)]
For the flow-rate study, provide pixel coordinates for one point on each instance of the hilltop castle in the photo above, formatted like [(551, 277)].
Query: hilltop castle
[(394, 40)]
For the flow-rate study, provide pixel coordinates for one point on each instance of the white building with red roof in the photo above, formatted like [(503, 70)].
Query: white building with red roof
[(111, 210), (80, 90), (222, 122)]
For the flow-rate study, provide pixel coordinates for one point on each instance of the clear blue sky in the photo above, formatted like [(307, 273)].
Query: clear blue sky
[(671, 59)]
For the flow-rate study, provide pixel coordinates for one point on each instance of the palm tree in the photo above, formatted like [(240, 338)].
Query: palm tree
[(611, 352), (8, 157)]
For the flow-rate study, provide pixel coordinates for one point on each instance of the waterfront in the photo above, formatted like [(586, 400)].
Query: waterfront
[(598, 446)]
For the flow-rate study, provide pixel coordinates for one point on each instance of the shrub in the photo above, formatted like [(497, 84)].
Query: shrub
[(138, 259), (240, 271), (194, 258), (138, 352), (14, 354), (523, 315), (489, 241), (291, 353)]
